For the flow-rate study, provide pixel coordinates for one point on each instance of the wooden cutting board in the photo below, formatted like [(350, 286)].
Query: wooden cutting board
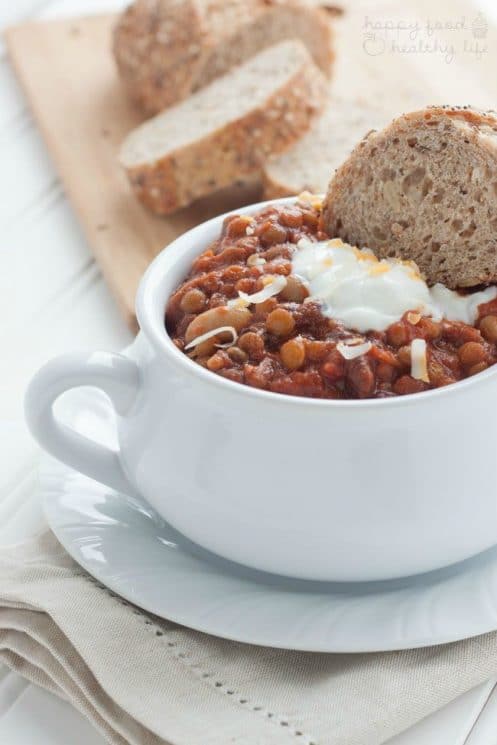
[(68, 74)]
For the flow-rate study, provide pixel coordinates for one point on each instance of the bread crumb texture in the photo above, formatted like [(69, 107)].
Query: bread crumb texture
[(424, 188), (225, 131), (165, 50)]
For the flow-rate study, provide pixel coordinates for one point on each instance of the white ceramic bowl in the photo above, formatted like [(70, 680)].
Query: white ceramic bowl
[(317, 489)]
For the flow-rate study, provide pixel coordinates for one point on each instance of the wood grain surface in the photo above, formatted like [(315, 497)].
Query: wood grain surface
[(68, 74), (69, 77)]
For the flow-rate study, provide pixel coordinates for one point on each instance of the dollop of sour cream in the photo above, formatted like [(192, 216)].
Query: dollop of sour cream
[(366, 294)]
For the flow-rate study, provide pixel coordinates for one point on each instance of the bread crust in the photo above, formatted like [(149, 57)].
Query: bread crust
[(152, 77), (166, 50), (234, 151), (424, 188)]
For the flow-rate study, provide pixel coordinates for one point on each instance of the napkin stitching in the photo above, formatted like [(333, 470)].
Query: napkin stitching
[(207, 677)]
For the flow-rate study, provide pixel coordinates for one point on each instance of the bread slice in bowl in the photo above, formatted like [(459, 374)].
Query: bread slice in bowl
[(424, 188), (167, 50), (225, 131)]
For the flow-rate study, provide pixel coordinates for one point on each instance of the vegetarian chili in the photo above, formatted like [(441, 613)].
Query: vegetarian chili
[(282, 341)]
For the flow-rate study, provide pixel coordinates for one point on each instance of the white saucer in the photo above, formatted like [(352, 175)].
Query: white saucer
[(125, 545)]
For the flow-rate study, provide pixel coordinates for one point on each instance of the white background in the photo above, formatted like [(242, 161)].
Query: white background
[(53, 300)]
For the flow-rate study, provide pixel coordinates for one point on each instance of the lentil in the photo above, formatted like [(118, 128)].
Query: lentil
[(488, 327), (397, 334), (193, 301), (404, 355), (471, 353), (237, 355), (293, 353), (271, 233), (280, 322), (238, 226), (253, 344), (291, 218), (479, 367), (217, 361), (294, 290)]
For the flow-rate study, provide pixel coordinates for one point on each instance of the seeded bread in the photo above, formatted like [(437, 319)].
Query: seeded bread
[(424, 188), (167, 49), (307, 165), (225, 131)]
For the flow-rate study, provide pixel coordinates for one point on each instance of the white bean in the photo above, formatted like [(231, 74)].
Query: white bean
[(215, 318)]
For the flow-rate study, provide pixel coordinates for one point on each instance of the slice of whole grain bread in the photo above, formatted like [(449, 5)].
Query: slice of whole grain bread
[(424, 188), (307, 165), (167, 49), (226, 130)]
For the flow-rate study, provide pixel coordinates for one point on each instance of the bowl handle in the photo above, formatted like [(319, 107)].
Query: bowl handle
[(115, 375)]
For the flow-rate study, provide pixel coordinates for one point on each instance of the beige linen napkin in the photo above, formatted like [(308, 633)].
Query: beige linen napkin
[(144, 681)]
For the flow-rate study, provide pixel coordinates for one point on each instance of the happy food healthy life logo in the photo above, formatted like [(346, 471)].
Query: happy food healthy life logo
[(445, 37)]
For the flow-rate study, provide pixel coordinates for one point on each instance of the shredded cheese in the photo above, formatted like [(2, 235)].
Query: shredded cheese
[(273, 286), (314, 200), (363, 254), (255, 260), (214, 332), (351, 352), (414, 318), (419, 364), (353, 340), (236, 302), (379, 268)]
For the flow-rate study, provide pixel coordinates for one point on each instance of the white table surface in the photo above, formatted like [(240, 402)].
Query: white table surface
[(53, 300)]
